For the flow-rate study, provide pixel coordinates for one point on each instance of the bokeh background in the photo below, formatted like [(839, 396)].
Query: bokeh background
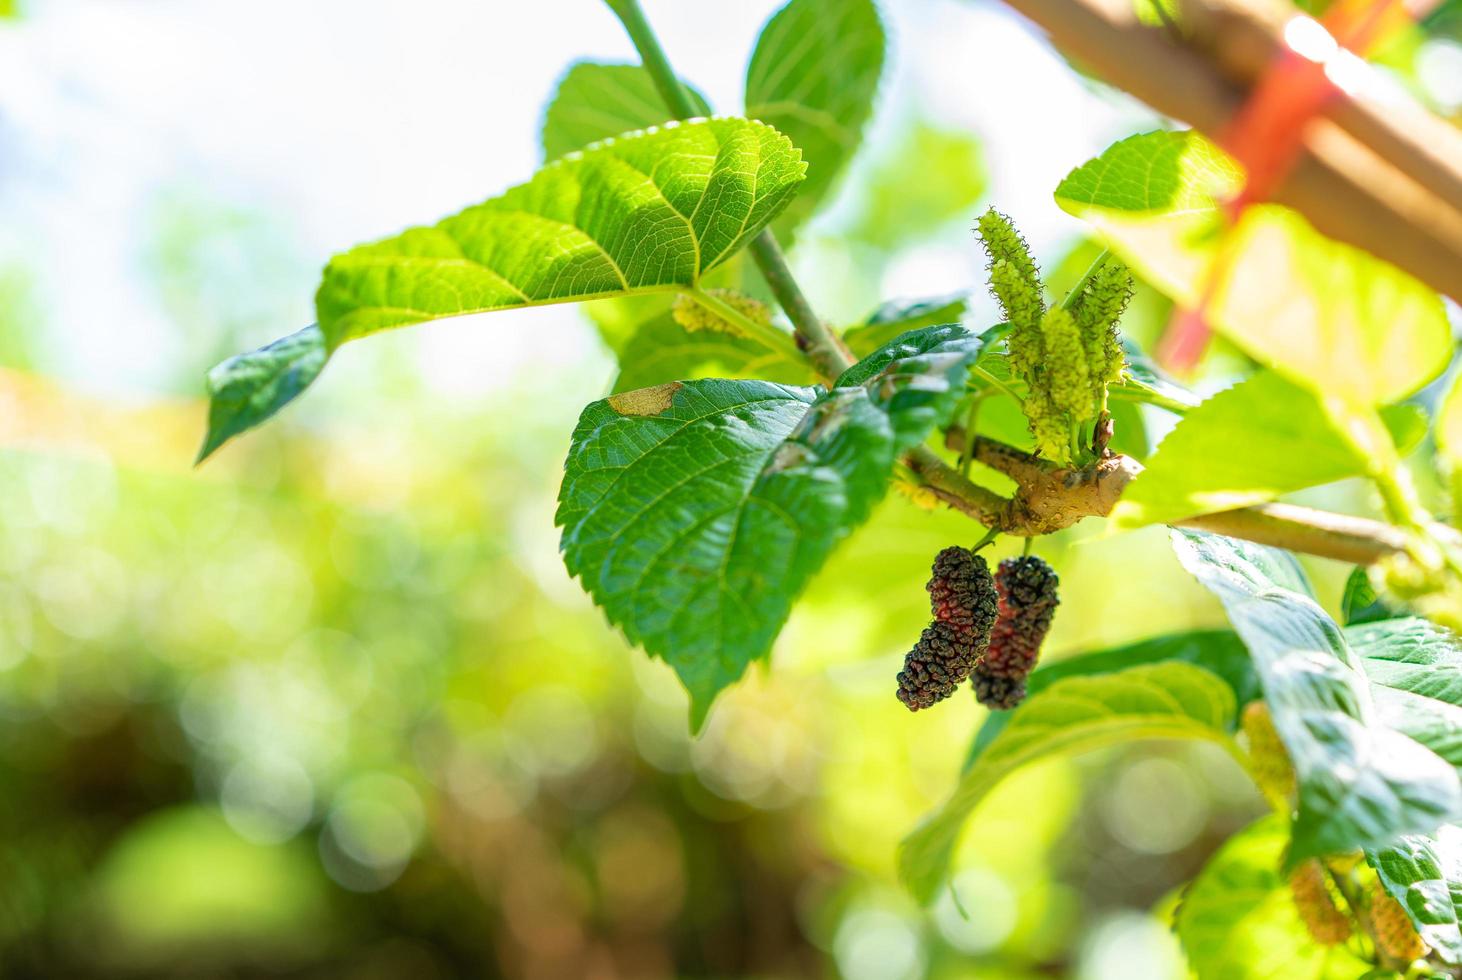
[(330, 706)]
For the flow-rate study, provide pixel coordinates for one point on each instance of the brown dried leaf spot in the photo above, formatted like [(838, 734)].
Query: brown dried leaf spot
[(645, 401)]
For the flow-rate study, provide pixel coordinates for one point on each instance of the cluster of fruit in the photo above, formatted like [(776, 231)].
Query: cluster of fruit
[(1066, 353), (986, 628)]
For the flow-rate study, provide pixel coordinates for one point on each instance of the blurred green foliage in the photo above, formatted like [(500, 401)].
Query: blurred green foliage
[(897, 208), (332, 707)]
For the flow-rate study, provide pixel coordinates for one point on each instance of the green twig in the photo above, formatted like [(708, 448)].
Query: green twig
[(995, 382), (823, 347), (820, 344), (1354, 899), (1078, 453), (1074, 296), (966, 455), (1400, 502), (667, 83)]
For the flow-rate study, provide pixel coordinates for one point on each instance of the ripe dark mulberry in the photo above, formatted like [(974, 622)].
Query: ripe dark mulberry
[(996, 693), (1027, 588), (962, 591), (963, 601), (933, 669)]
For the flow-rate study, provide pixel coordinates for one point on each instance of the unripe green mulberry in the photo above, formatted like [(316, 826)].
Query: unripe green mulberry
[(1269, 761), (695, 317), (1102, 302), (1323, 919), (962, 600), (1014, 278), (1395, 936), (1065, 374), (1023, 310), (1028, 600), (1048, 424)]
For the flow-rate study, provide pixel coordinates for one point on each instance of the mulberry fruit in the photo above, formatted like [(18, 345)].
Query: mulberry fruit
[(962, 591), (1066, 373), (996, 693), (1395, 936), (1268, 758), (1014, 278), (962, 600), (1100, 306), (1027, 588), (1324, 921), (1066, 354), (933, 669)]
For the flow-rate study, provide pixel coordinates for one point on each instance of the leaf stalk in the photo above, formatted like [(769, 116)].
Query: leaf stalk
[(765, 333), (821, 346), (1073, 296)]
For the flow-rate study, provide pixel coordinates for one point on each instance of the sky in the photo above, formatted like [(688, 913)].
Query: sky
[(320, 125)]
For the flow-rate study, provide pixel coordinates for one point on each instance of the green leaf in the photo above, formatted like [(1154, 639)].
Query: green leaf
[(595, 101), (661, 350), (1168, 175), (1129, 430), (1238, 919), (1239, 448), (1415, 669), (1161, 700), (1362, 780), (1327, 315), (917, 378), (1144, 381), (1360, 604), (1332, 315), (1220, 652), (814, 75), (1449, 421), (1158, 13), (1449, 440), (901, 315), (1424, 874), (1407, 423), (248, 388), (695, 513), (620, 318), (651, 211)]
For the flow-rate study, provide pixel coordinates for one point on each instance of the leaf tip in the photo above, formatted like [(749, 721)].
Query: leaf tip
[(920, 873), (700, 710), (211, 443), (249, 388)]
